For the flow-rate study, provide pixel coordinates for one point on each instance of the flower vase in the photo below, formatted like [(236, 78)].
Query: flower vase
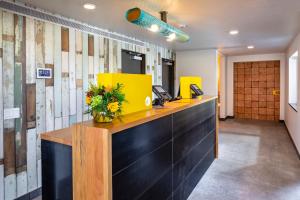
[(101, 117)]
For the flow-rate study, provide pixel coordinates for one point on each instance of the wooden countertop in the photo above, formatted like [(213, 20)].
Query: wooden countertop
[(64, 136)]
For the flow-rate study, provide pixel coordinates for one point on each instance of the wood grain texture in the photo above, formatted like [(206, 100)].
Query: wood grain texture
[(57, 123), (65, 39), (96, 58), (40, 84), (30, 50), (31, 106), (8, 95), (65, 85), (20, 101), (91, 45), (85, 68), (119, 57), (115, 56), (57, 71), (72, 58), (31, 160), (131, 120), (79, 104), (111, 68), (49, 108), (21, 183), (90, 150), (101, 54), (106, 54), (10, 186)]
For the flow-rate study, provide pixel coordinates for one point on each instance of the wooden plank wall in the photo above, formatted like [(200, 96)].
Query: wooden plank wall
[(48, 104)]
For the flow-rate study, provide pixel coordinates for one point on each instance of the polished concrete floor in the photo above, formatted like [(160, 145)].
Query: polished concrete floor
[(257, 161)]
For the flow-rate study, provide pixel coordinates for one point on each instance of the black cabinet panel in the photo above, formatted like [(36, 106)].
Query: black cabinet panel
[(133, 181), (131, 144), (185, 120), (185, 142), (161, 190), (56, 171), (162, 159), (183, 168), (186, 187)]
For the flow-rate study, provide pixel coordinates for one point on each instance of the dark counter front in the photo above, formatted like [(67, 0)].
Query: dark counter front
[(160, 159)]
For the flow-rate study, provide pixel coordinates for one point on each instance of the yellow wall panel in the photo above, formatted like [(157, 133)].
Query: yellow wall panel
[(137, 89)]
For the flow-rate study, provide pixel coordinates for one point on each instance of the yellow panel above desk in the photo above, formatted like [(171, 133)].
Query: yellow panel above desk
[(185, 82), (136, 87)]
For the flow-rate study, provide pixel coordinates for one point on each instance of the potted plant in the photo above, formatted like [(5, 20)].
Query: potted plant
[(105, 103)]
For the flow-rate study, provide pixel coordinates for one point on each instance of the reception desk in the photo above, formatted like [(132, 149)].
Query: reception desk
[(158, 154)]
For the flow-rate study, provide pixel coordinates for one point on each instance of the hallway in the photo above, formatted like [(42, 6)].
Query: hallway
[(257, 161)]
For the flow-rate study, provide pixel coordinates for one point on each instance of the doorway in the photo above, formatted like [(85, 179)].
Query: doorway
[(257, 90), (132, 62), (168, 76)]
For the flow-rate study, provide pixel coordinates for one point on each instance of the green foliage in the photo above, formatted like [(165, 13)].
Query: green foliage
[(100, 97)]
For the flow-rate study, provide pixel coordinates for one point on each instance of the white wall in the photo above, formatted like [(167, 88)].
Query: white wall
[(292, 118), (248, 58), (223, 88), (198, 63)]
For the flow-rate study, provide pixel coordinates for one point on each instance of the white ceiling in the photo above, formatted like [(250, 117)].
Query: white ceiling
[(269, 25)]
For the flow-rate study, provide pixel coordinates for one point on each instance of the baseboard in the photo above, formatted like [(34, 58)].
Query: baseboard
[(298, 153), (227, 117), (31, 195)]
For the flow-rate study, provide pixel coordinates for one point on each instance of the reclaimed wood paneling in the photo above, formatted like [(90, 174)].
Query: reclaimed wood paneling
[(30, 104), (49, 108), (91, 45), (85, 70), (65, 121), (96, 58), (10, 187), (39, 173), (21, 183), (1, 172), (57, 71), (111, 56), (101, 54), (49, 43), (73, 118), (65, 84), (72, 72), (64, 39), (30, 50), (8, 95), (49, 83), (20, 102), (106, 54), (31, 160), (78, 63), (119, 57), (58, 123), (79, 103), (40, 84)]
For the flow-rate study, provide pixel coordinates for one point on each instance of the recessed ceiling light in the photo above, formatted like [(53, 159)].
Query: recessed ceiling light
[(233, 32), (89, 6), (250, 47), (171, 37), (154, 28)]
